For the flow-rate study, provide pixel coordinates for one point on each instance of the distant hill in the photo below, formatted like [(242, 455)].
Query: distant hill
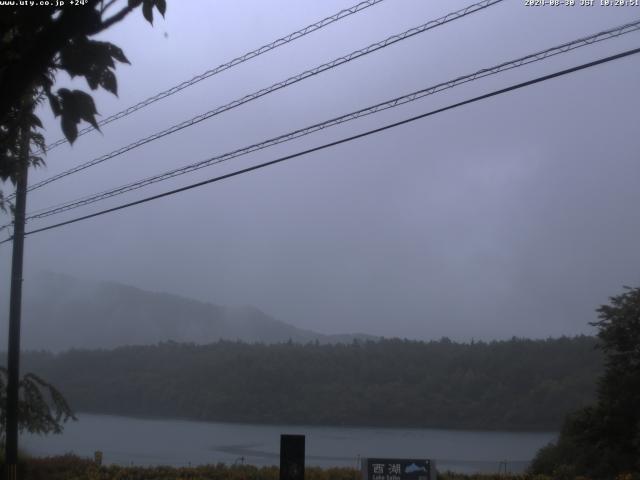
[(62, 312)]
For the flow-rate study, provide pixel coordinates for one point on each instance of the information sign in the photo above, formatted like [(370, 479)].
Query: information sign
[(398, 469)]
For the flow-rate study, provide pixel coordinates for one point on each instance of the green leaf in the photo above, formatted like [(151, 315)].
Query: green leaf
[(35, 121), (93, 79), (117, 53), (85, 107), (108, 82), (147, 10), (68, 105), (90, 59), (36, 161), (55, 104), (76, 106), (161, 5), (47, 81), (38, 141), (69, 128), (91, 20)]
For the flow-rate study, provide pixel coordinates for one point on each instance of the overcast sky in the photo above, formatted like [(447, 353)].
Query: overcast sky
[(514, 216)]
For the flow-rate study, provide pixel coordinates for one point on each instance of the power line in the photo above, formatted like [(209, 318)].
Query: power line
[(225, 66), (343, 140), (528, 59), (277, 86)]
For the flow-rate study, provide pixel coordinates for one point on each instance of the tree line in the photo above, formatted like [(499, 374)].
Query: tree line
[(602, 440), (517, 384)]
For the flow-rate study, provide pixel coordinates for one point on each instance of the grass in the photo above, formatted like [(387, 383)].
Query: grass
[(72, 467)]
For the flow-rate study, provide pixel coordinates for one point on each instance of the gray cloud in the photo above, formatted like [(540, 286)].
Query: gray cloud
[(509, 217)]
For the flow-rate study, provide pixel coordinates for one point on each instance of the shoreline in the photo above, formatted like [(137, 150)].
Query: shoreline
[(318, 425)]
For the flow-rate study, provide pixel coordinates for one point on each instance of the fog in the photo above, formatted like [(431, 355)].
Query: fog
[(514, 216)]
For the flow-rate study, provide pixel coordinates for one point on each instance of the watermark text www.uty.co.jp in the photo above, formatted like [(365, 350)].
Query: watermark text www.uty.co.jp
[(43, 3)]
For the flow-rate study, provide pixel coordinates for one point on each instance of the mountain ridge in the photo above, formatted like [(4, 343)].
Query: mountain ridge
[(61, 312)]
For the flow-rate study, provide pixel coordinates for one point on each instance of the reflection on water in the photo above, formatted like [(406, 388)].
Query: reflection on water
[(177, 442)]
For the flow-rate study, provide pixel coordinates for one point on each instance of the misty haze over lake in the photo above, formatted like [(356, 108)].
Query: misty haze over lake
[(174, 442)]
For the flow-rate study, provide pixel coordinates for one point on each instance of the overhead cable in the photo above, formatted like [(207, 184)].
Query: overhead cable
[(392, 103), (275, 87), (341, 141), (225, 66)]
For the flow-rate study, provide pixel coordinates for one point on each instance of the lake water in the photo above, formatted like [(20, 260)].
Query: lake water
[(137, 441)]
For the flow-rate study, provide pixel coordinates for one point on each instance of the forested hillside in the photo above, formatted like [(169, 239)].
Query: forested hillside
[(516, 384)]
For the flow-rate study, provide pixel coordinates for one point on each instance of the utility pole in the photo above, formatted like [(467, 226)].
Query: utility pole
[(15, 304)]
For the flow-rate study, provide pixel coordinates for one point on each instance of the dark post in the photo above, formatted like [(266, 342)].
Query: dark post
[(15, 303), (291, 457)]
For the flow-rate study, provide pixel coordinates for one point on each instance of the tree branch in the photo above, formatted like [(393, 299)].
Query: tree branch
[(115, 18), (109, 4)]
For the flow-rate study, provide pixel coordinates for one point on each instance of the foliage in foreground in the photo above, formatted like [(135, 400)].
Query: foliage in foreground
[(35, 45), (70, 467), (41, 407), (603, 440)]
